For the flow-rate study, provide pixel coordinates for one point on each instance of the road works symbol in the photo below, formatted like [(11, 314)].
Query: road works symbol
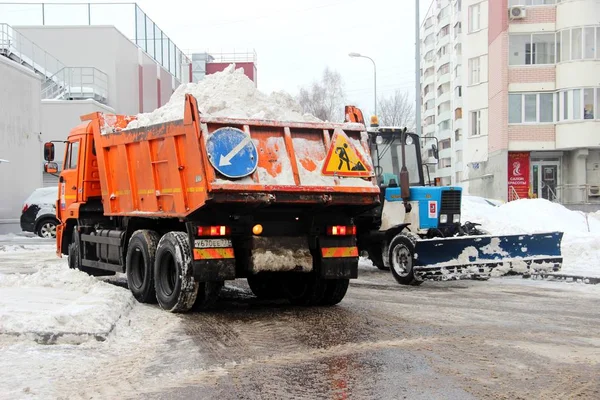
[(344, 159), (232, 152)]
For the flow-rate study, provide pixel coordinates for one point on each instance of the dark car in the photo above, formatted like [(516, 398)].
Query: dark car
[(39, 212)]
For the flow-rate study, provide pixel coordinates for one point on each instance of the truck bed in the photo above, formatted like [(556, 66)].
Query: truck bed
[(172, 169)]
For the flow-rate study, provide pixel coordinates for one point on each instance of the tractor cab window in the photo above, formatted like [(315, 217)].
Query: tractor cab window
[(72, 155), (390, 161)]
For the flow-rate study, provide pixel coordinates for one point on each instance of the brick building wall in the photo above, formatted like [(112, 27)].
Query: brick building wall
[(537, 15), (533, 133), (532, 74)]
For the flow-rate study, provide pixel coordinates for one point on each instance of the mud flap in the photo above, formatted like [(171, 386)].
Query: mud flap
[(468, 256)]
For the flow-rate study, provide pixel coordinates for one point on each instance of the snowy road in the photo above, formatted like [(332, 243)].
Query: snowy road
[(504, 338)]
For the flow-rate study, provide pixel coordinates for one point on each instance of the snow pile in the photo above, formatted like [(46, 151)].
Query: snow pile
[(231, 94), (581, 241), (60, 303)]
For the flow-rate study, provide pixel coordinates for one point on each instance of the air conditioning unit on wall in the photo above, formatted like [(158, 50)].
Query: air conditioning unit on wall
[(517, 12), (593, 191)]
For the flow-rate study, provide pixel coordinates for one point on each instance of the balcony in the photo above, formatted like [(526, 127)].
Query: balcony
[(429, 112), (444, 172), (439, 61), (429, 79), (445, 115), (430, 95), (445, 134), (444, 40), (444, 78), (443, 97)]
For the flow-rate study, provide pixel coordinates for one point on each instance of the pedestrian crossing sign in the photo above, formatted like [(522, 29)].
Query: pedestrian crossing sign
[(344, 159)]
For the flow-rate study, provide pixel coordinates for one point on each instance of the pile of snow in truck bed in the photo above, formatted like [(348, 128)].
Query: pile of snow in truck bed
[(231, 94), (581, 241)]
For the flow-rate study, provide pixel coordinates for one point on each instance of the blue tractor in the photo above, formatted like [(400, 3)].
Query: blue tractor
[(416, 232)]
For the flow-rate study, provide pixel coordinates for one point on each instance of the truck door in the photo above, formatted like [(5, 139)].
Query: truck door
[(69, 190)]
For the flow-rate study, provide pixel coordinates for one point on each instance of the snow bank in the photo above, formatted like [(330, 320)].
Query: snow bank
[(581, 240), (60, 304), (231, 94)]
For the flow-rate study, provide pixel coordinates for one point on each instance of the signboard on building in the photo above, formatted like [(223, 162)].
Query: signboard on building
[(518, 175)]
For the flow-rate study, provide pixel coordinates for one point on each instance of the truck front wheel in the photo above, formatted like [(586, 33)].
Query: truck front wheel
[(176, 288), (141, 253)]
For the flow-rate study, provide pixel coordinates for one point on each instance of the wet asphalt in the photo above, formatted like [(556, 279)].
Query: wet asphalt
[(506, 338)]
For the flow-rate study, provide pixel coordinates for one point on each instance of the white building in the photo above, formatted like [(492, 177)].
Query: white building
[(441, 85), (61, 61)]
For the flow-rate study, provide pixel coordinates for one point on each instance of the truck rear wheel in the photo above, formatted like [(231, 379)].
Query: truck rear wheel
[(335, 291), (176, 288), (139, 265), (376, 257), (265, 286), (401, 258), (305, 289)]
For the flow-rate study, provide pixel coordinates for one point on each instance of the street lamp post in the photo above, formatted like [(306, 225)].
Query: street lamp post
[(374, 75)]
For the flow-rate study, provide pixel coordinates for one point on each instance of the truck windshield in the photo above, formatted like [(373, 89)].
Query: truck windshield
[(390, 160)]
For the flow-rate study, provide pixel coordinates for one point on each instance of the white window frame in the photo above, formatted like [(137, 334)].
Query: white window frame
[(596, 38), (533, 52), (538, 108), (478, 119), (472, 71), (472, 8)]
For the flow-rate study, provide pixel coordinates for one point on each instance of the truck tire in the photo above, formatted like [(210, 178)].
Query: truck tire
[(265, 286), (401, 258), (176, 288), (335, 291), (376, 257), (305, 289), (208, 293), (139, 265)]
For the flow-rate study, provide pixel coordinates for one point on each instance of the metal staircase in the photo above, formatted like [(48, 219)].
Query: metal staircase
[(59, 82)]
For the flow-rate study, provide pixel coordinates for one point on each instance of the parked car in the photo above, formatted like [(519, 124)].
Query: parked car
[(39, 212)]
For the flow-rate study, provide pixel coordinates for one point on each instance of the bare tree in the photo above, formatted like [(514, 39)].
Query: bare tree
[(325, 98), (397, 110)]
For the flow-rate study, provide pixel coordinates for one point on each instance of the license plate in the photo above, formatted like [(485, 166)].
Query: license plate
[(212, 243)]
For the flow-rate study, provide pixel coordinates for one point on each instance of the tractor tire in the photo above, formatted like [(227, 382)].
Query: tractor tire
[(139, 265), (376, 257), (401, 258), (265, 286), (305, 289), (335, 291), (176, 288)]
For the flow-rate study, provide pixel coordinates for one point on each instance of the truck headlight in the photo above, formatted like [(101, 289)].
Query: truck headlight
[(456, 218), (443, 218)]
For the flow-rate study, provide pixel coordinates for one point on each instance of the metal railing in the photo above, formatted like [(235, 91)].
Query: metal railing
[(578, 194), (512, 194), (58, 80), (77, 83), (232, 56)]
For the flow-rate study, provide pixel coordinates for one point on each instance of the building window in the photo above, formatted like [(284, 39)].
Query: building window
[(429, 39), (565, 105), (444, 69), (457, 135), (445, 144), (458, 6), (457, 29), (458, 156), (458, 49), (474, 17), (427, 89), (444, 31), (532, 49), (475, 123), (579, 43), (429, 104), (459, 175), (515, 108), (444, 107), (458, 91), (429, 55), (429, 120), (577, 104), (443, 88), (443, 51), (531, 2), (444, 12), (445, 162), (588, 103), (530, 108), (428, 72), (444, 125), (458, 113), (474, 71)]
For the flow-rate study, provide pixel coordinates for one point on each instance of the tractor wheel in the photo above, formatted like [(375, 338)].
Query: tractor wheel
[(401, 258)]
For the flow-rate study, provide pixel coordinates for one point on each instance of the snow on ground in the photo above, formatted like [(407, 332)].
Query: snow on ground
[(43, 300), (228, 93), (581, 241)]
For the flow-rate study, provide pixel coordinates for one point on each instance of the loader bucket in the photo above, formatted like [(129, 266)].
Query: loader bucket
[(489, 255)]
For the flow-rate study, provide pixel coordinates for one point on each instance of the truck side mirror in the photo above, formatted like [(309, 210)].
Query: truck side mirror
[(51, 167), (434, 149), (49, 151)]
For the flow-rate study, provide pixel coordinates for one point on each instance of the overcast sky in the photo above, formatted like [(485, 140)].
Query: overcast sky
[(296, 39)]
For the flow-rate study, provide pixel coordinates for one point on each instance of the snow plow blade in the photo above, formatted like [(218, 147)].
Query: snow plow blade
[(483, 256)]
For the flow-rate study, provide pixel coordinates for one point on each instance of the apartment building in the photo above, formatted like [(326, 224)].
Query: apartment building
[(441, 85), (531, 100)]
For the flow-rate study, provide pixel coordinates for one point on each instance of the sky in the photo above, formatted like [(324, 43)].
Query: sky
[(295, 40)]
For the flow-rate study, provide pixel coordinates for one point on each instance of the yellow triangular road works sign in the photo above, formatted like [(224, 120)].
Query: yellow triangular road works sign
[(344, 159)]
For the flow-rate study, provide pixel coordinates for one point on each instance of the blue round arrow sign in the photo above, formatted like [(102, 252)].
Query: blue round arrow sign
[(232, 152)]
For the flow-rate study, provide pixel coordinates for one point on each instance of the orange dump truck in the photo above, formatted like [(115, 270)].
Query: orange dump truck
[(182, 206)]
